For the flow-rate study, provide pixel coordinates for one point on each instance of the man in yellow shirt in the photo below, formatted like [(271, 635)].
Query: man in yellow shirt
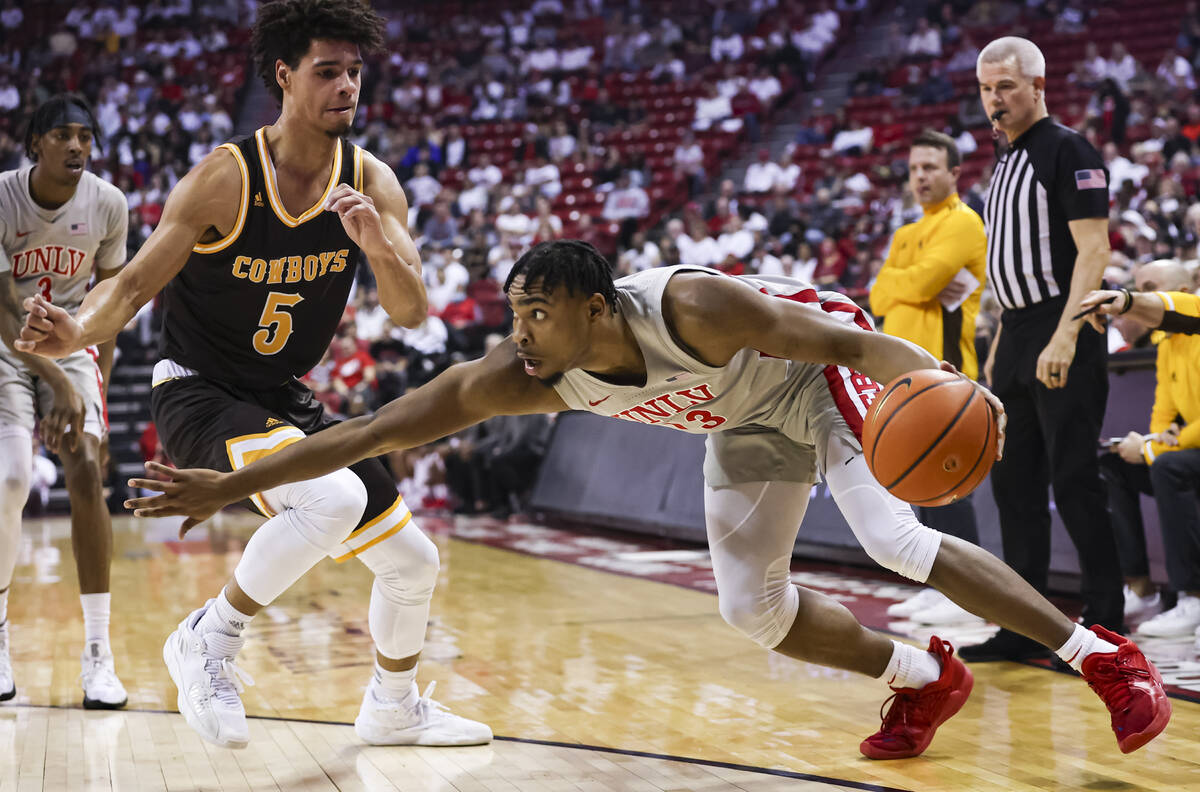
[(1164, 463), (936, 261), (928, 292)]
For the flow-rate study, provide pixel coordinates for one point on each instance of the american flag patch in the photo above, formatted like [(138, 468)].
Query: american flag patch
[(78, 229), (1093, 179)]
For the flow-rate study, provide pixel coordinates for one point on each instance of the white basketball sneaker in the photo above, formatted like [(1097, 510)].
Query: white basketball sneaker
[(386, 721), (945, 612), (925, 598), (1136, 605), (1178, 622), (8, 688), (101, 688), (209, 681)]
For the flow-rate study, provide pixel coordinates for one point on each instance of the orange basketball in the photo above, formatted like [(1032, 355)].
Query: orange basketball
[(930, 437)]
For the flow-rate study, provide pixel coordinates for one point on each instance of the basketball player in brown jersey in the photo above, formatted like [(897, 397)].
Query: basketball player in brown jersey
[(256, 254), (768, 368)]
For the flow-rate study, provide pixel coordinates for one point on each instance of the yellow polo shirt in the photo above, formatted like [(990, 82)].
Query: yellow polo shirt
[(924, 257), (1177, 390)]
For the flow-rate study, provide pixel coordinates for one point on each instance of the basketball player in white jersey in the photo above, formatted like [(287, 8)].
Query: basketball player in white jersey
[(59, 225), (768, 368)]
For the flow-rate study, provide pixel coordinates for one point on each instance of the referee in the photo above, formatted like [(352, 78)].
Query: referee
[(1047, 222)]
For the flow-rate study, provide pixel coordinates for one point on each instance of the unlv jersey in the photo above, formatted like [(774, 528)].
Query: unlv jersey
[(751, 390), (261, 305), (52, 252)]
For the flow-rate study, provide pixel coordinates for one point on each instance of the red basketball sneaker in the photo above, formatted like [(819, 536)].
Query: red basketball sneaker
[(915, 714), (1131, 687)]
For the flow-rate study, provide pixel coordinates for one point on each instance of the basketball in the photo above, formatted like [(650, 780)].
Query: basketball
[(930, 437)]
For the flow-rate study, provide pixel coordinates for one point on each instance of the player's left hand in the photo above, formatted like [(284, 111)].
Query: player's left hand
[(993, 401), (192, 493), (1055, 359), (359, 217)]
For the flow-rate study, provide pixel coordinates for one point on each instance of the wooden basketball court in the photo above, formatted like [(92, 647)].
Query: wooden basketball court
[(592, 680)]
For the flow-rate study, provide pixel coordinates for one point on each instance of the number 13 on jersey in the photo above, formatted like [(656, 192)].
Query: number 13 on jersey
[(275, 323)]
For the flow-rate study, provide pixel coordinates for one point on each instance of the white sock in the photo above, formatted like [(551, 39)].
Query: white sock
[(95, 616), (400, 685), (4, 606), (1082, 643), (910, 667), (222, 617)]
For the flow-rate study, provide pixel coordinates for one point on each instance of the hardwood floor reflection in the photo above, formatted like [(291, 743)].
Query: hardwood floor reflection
[(540, 650)]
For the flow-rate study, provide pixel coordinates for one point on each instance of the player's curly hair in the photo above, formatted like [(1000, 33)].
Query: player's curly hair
[(285, 30), (48, 111), (571, 263)]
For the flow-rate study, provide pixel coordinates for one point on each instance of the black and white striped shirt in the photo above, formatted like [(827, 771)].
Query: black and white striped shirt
[(1049, 176)]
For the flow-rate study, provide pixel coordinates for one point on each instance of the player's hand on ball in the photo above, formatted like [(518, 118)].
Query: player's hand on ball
[(48, 330), (193, 493), (359, 217), (992, 400)]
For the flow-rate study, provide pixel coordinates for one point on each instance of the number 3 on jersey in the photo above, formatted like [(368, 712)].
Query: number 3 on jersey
[(275, 323)]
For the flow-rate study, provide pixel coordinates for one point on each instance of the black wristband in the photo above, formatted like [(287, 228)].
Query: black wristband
[(1128, 301)]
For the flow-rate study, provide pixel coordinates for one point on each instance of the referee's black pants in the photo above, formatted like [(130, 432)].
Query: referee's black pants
[(1051, 442)]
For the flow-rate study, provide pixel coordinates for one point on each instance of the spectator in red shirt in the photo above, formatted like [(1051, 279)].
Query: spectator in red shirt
[(888, 134), (830, 264), (353, 374), (320, 382), (746, 106)]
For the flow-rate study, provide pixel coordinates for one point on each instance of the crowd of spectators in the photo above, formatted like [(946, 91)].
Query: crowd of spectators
[(824, 210), (512, 125), (164, 78), (612, 122)]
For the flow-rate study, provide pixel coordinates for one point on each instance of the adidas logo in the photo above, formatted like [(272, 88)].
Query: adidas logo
[(258, 201), (274, 422)]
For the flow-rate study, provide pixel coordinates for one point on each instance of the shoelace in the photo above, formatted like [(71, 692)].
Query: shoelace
[(898, 714), (1116, 697), (228, 679), (908, 702), (424, 707), (98, 667)]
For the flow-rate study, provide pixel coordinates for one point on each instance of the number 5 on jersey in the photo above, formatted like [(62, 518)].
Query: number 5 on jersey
[(275, 323)]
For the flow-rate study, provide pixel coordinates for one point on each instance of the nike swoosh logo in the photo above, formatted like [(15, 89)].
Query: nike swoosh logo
[(594, 403), (23, 234)]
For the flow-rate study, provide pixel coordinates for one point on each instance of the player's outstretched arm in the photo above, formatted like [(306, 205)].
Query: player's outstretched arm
[(200, 204), (716, 317), (464, 394)]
